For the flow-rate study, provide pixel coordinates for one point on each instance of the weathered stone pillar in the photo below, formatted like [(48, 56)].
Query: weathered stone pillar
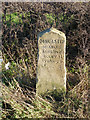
[(51, 71)]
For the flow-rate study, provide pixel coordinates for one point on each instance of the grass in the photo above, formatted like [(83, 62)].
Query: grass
[(20, 102), (24, 105)]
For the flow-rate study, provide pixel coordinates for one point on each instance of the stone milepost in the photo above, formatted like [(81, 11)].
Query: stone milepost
[(51, 71)]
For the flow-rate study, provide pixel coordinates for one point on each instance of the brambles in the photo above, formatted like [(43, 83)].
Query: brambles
[(21, 24)]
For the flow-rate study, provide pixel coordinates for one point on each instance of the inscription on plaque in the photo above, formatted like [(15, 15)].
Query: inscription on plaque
[(51, 72)]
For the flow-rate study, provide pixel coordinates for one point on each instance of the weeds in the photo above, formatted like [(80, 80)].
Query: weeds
[(22, 105), (20, 49)]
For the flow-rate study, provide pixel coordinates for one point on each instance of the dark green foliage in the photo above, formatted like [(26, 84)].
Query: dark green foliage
[(62, 18)]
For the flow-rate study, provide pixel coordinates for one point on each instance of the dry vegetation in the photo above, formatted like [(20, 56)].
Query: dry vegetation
[(21, 24)]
